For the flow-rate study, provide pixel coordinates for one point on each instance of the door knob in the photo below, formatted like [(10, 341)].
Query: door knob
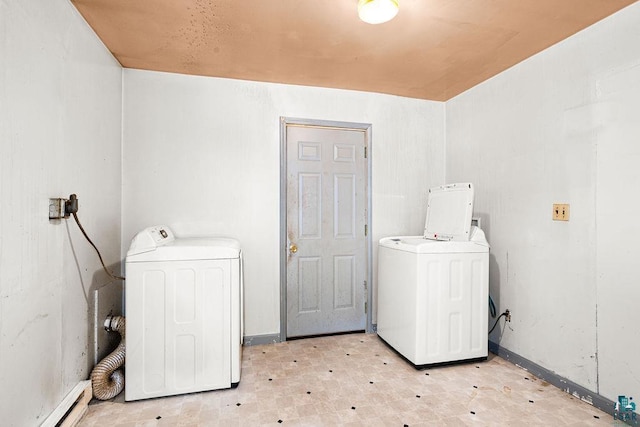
[(293, 248)]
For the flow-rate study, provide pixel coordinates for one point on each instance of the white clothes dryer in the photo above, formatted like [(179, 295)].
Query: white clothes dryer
[(183, 305), (433, 289)]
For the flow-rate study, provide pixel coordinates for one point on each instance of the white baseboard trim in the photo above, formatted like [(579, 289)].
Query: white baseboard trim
[(72, 408)]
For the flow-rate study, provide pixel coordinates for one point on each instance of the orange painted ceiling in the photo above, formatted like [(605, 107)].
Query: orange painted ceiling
[(433, 49)]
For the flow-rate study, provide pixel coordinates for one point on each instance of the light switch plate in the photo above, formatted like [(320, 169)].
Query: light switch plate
[(560, 212)]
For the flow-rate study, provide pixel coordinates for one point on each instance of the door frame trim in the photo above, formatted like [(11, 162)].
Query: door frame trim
[(292, 121)]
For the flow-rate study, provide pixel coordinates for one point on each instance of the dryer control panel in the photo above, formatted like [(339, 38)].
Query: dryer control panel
[(150, 238)]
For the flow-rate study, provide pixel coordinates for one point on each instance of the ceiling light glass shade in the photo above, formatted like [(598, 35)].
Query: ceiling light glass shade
[(377, 11)]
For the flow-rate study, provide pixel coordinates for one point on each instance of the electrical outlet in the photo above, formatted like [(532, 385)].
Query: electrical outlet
[(56, 208), (560, 212)]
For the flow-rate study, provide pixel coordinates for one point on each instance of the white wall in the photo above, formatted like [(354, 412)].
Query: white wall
[(202, 155), (562, 127), (60, 121)]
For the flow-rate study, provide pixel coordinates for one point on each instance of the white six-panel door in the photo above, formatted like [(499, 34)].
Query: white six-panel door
[(326, 219)]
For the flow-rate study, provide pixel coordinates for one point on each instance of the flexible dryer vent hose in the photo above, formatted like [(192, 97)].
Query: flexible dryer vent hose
[(107, 379)]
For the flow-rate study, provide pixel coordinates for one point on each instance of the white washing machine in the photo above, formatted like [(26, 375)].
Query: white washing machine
[(183, 305), (433, 290)]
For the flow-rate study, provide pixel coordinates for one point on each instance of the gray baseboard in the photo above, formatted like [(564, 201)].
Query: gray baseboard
[(576, 390), (275, 338), (261, 339)]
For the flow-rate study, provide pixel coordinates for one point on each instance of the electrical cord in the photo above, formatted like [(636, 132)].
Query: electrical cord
[(506, 313), (492, 307), (95, 247)]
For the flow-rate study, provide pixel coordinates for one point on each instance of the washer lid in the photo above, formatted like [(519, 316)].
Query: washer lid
[(449, 211), (421, 245)]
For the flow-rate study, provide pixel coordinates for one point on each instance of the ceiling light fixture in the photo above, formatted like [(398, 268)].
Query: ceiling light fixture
[(377, 11)]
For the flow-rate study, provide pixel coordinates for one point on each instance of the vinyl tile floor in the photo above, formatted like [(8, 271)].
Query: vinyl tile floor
[(357, 380)]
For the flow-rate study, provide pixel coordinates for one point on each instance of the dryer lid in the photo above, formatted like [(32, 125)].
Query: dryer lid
[(191, 249), (449, 212)]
